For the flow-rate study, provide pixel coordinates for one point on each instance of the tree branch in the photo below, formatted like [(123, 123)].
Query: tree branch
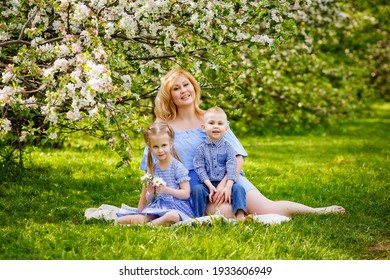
[(34, 13), (14, 42), (51, 41), (19, 40)]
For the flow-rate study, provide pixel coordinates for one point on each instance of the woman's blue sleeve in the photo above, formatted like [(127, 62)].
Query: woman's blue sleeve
[(233, 140), (144, 165)]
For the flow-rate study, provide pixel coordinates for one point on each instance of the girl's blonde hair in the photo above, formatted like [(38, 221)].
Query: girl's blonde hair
[(165, 109), (157, 129)]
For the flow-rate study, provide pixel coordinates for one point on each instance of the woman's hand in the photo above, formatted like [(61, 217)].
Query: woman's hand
[(219, 195), (228, 195), (223, 193), (223, 196), (213, 191)]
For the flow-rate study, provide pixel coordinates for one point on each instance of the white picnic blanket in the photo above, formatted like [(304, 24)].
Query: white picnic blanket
[(108, 212)]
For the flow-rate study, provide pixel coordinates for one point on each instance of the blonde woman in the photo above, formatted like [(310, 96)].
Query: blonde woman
[(177, 103)]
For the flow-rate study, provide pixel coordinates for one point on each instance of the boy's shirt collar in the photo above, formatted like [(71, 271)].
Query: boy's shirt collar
[(216, 143)]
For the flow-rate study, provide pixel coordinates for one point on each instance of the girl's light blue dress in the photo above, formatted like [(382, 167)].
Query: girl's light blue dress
[(186, 142), (176, 173)]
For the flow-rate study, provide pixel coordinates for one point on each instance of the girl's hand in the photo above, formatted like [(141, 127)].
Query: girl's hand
[(162, 189), (149, 187), (149, 196), (149, 193)]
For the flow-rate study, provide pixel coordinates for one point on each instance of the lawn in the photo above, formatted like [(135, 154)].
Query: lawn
[(42, 216)]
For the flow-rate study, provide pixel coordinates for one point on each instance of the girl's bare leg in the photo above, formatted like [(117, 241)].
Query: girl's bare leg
[(132, 219), (169, 218)]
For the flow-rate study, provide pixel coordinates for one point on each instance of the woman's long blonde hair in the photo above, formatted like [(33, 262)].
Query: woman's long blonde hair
[(165, 109), (157, 129)]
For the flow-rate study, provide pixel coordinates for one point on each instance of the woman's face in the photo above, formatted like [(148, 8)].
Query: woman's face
[(182, 92)]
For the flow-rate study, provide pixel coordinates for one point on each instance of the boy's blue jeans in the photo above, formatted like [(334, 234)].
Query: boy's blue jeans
[(200, 196)]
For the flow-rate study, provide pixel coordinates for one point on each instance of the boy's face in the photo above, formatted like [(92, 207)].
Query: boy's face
[(215, 125)]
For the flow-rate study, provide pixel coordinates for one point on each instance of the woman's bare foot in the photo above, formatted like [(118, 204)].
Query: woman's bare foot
[(331, 209)]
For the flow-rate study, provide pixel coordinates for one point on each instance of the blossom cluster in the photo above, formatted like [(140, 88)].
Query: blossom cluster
[(148, 179)]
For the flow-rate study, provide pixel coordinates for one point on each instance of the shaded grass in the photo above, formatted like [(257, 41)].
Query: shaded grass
[(42, 217)]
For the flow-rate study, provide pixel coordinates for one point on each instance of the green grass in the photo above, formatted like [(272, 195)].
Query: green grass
[(41, 217)]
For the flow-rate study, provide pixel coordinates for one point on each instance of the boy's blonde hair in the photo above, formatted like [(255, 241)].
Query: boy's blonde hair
[(154, 130), (165, 109), (214, 109)]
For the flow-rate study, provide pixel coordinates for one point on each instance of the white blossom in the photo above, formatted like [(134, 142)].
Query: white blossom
[(129, 25), (46, 47), (147, 177), (81, 12), (154, 28), (23, 136), (35, 42), (48, 72), (127, 82), (158, 181), (62, 50), (93, 112), (4, 36), (100, 54), (109, 30), (76, 47), (264, 39), (7, 76), (74, 115), (31, 103), (275, 16), (52, 115), (61, 64), (71, 88), (6, 94), (7, 125), (242, 36), (53, 135)]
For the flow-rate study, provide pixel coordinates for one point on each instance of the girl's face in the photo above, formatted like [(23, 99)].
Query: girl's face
[(161, 146), (182, 92)]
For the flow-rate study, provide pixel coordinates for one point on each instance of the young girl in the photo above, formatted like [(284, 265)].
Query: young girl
[(171, 204)]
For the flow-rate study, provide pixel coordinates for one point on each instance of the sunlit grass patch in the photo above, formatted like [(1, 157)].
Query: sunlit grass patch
[(42, 217)]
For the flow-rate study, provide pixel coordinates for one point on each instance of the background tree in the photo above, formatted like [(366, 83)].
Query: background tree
[(334, 65), (94, 65)]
